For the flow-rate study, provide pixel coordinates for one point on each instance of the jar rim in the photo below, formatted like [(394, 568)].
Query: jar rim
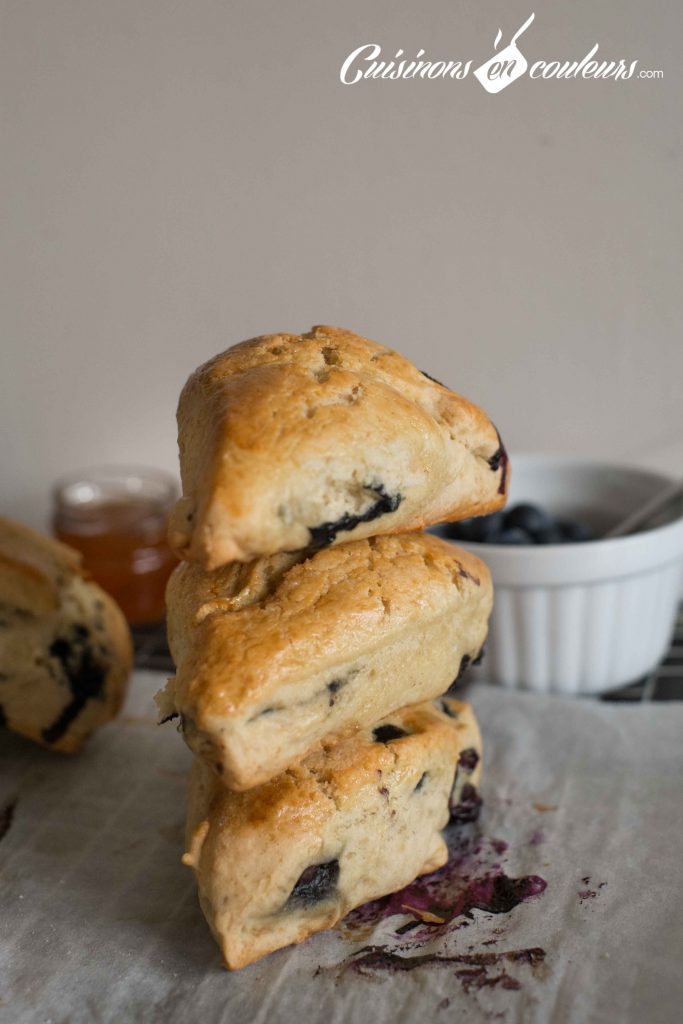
[(87, 488)]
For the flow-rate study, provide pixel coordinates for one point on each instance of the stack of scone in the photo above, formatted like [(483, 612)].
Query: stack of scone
[(312, 625)]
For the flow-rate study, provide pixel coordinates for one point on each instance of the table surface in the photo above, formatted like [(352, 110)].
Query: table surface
[(100, 920)]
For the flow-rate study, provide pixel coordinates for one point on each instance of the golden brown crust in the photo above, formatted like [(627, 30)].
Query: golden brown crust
[(65, 647), (274, 656), (375, 807), (31, 567), (284, 437)]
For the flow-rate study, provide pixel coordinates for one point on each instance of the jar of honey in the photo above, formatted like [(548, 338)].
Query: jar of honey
[(116, 517)]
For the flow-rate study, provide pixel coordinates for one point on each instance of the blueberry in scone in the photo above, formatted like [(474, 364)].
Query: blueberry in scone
[(465, 802), (274, 657), (387, 733), (354, 821), (86, 673), (294, 441), (315, 884), (326, 534)]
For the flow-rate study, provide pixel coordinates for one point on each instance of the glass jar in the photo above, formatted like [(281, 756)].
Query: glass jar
[(116, 517)]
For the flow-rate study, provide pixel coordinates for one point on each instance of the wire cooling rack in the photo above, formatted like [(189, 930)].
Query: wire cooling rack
[(665, 683)]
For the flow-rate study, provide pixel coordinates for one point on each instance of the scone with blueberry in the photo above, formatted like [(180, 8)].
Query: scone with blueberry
[(65, 647), (275, 657), (353, 822), (294, 441)]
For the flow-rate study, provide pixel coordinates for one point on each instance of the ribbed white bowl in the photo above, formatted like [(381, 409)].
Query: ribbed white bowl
[(582, 618)]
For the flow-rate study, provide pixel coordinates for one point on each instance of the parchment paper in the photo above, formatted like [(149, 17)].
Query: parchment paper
[(100, 922)]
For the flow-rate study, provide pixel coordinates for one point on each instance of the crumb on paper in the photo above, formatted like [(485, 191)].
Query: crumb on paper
[(424, 915), (589, 893)]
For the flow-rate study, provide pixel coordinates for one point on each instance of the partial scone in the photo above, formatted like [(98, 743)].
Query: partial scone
[(301, 441), (353, 822), (65, 647), (275, 656)]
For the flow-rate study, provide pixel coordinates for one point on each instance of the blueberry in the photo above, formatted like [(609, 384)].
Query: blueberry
[(270, 710), (465, 662), (526, 523), (513, 535), (552, 534), (468, 760), (528, 517), (333, 689), (467, 529), (469, 807), (60, 649), (500, 460), (315, 884), (489, 526), (421, 783), (479, 530), (387, 733), (575, 532)]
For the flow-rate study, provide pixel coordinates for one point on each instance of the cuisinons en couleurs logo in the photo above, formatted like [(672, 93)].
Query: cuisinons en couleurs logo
[(505, 66)]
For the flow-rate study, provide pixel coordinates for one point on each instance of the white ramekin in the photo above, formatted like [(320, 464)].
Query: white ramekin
[(588, 617)]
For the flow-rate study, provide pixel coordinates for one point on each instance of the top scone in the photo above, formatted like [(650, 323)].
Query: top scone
[(302, 441)]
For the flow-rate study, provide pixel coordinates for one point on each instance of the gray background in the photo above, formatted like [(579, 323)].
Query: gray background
[(181, 175)]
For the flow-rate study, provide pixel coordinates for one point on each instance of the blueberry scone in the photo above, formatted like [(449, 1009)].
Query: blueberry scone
[(275, 656), (302, 441), (351, 823), (464, 802), (65, 648)]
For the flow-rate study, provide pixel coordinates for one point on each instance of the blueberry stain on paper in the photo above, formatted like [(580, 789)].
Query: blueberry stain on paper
[(423, 926)]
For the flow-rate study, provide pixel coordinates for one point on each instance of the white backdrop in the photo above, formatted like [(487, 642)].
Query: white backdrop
[(181, 175)]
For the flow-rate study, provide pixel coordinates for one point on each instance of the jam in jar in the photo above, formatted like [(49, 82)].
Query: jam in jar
[(116, 517)]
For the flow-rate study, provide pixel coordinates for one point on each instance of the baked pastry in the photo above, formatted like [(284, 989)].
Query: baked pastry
[(275, 656), (302, 441), (464, 802), (65, 647), (351, 823)]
